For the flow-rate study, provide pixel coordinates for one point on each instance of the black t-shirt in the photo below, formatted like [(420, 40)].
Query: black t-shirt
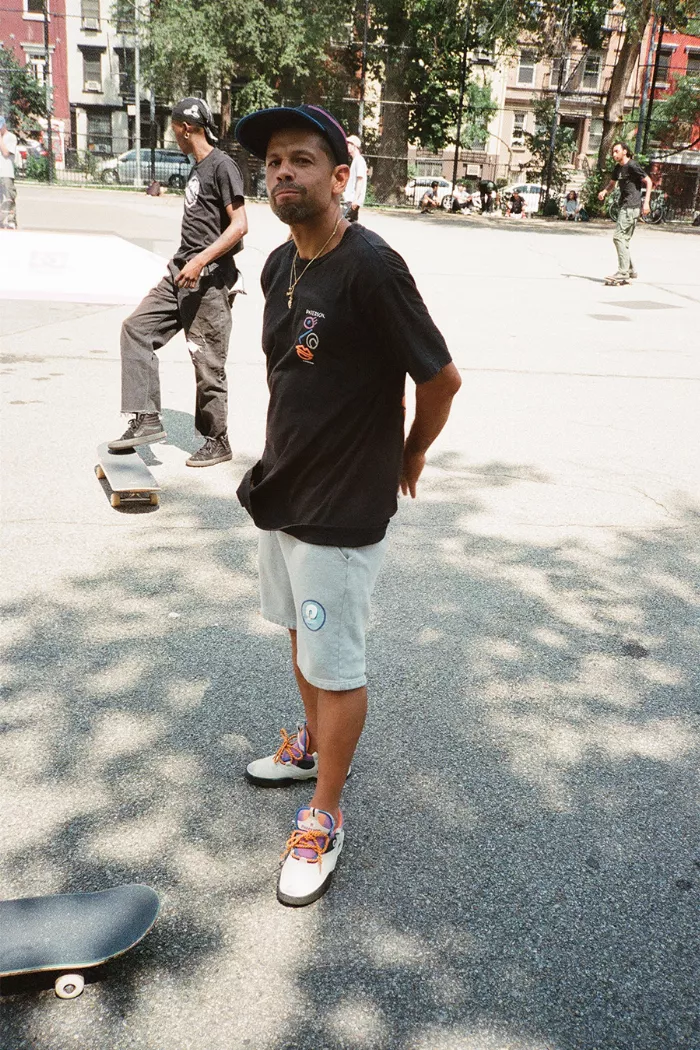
[(336, 370), (516, 205), (213, 184), (630, 178)]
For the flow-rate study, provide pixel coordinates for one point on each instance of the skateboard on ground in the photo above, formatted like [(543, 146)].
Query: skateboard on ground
[(128, 476), (71, 932), (615, 282)]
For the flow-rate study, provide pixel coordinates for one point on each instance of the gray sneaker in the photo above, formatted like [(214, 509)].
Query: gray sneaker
[(143, 429), (214, 450)]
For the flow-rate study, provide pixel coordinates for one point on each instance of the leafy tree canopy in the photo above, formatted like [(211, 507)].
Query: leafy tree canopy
[(22, 98)]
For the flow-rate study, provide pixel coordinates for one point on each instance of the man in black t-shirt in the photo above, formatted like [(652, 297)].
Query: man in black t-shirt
[(195, 294), (630, 177), (343, 325)]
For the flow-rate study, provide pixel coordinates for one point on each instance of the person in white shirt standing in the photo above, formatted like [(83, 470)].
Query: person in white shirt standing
[(8, 193), (354, 196)]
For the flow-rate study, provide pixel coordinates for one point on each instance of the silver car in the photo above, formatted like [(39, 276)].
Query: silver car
[(172, 168)]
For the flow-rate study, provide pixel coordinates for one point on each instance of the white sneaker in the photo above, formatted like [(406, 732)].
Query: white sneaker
[(311, 854), (291, 762)]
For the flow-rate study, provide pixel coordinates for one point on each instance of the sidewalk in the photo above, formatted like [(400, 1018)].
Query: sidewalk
[(521, 865)]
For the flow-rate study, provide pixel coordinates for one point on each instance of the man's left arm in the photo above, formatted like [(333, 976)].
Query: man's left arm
[(648, 186), (6, 144), (433, 402), (237, 228)]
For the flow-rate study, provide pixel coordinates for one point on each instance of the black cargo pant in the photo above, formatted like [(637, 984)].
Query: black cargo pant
[(205, 314)]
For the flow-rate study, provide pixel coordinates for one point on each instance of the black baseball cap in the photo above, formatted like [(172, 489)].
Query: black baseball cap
[(195, 111), (254, 131)]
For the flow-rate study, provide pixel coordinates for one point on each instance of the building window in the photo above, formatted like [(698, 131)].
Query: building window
[(665, 56), (92, 69), (34, 7), (526, 68), (518, 137), (35, 63), (590, 81), (127, 72), (595, 135), (90, 14), (693, 67), (99, 133)]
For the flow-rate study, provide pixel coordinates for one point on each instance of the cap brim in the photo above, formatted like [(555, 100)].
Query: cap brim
[(255, 131)]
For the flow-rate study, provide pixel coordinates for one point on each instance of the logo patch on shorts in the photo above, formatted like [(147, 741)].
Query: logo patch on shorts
[(313, 614)]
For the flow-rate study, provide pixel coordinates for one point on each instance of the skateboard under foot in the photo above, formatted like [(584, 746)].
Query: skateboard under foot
[(614, 282), (71, 932), (129, 478)]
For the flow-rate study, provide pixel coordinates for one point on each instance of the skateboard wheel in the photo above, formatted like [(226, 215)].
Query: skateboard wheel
[(99, 471), (69, 985), (153, 500), (115, 499)]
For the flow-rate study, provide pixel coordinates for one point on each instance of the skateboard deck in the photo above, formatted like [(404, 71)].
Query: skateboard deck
[(616, 282), (128, 476), (71, 932)]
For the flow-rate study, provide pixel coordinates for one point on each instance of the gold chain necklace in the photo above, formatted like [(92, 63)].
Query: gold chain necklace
[(293, 279)]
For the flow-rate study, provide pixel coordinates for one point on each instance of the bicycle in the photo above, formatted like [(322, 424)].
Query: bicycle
[(659, 208)]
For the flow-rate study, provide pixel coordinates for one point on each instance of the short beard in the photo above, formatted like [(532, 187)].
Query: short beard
[(293, 213)]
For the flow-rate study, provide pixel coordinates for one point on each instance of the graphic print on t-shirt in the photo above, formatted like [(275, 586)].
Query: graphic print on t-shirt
[(192, 191), (307, 341)]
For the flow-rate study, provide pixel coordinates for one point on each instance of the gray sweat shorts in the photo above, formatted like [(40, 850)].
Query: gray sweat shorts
[(322, 593)]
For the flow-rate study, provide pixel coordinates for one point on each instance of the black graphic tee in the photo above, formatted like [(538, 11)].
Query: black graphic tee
[(630, 178), (336, 370), (213, 184)]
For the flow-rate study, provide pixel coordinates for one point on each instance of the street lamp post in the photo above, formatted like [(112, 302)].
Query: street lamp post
[(47, 86), (137, 96)]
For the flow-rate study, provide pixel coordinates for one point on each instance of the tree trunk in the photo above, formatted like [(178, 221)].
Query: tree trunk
[(390, 170), (619, 83)]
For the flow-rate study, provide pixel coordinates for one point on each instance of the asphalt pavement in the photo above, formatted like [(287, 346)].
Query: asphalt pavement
[(521, 868)]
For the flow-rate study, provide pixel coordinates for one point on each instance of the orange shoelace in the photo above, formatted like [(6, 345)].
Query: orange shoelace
[(289, 748), (313, 840)]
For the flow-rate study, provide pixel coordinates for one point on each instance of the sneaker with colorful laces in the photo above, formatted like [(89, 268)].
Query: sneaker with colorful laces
[(292, 761), (310, 857)]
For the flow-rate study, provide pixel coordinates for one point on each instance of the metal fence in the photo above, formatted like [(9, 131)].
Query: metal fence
[(395, 178)]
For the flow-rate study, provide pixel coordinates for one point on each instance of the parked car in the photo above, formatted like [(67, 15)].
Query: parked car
[(172, 168), (415, 188), (25, 149), (529, 191)]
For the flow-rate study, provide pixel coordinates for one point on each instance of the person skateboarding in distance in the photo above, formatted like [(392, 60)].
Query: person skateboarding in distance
[(631, 177), (325, 489), (194, 295)]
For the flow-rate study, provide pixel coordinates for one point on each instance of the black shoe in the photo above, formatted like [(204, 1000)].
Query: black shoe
[(214, 450), (143, 429)]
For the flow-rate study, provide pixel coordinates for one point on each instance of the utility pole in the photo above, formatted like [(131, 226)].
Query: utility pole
[(460, 105), (647, 123), (137, 96), (153, 134), (363, 81), (47, 86), (557, 101), (645, 90)]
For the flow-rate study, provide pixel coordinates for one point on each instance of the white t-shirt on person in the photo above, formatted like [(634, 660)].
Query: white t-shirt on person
[(7, 164), (358, 170)]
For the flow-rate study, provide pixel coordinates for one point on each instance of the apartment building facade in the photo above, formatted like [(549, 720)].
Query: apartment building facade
[(582, 79)]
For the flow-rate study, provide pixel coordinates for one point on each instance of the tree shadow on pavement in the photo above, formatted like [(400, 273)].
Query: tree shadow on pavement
[(519, 869)]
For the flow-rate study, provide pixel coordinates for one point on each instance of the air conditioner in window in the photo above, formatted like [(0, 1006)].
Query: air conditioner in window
[(93, 85), (91, 23), (484, 58)]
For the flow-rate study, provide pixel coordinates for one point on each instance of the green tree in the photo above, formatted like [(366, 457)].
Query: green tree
[(538, 145), (268, 50), (22, 98), (676, 117), (677, 14)]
